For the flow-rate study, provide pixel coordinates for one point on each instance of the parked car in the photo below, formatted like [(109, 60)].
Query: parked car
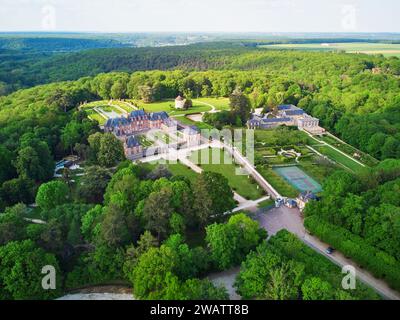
[(330, 250)]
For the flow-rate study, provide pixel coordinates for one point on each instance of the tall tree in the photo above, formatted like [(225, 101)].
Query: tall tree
[(52, 194), (212, 196), (111, 151)]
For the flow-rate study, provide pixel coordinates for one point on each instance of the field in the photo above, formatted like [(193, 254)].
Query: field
[(242, 184), (350, 150), (339, 158), (178, 169), (386, 49), (187, 121), (218, 103), (168, 106)]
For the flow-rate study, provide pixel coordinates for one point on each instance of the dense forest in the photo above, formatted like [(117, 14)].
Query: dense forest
[(122, 218), (365, 222)]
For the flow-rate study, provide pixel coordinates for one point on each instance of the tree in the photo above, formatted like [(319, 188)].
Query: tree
[(93, 184), (18, 190), (118, 90), (114, 231), (90, 227), (103, 265), (240, 105), (157, 212), (146, 93), (52, 194), (94, 143), (34, 160), (6, 169), (20, 271), (188, 104), (316, 289), (133, 253), (149, 275), (111, 151), (229, 243), (71, 135), (177, 223), (284, 282), (212, 196), (12, 224)]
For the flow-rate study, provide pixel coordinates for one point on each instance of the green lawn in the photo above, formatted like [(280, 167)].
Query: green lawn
[(123, 106), (218, 103), (179, 169), (350, 150), (169, 106), (242, 184), (95, 116), (339, 158), (144, 141), (187, 121), (108, 108)]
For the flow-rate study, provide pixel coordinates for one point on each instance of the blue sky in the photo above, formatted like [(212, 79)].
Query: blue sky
[(200, 15)]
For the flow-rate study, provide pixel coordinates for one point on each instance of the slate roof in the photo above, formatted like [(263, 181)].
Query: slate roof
[(132, 142), (294, 112), (138, 113), (116, 122), (285, 107), (274, 120), (158, 116)]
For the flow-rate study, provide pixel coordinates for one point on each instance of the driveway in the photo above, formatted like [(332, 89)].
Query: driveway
[(277, 219)]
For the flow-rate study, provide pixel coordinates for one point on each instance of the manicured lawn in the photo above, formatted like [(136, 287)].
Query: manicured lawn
[(179, 169), (242, 184), (123, 106), (340, 158), (144, 141), (187, 121), (218, 103), (95, 116), (108, 108), (169, 107), (350, 150), (93, 104)]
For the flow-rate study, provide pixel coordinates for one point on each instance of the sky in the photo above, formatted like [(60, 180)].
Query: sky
[(200, 15)]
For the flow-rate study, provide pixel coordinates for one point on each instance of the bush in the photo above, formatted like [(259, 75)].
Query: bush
[(379, 263)]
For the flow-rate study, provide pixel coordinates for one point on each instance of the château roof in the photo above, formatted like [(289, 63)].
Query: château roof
[(132, 142), (116, 122), (158, 116)]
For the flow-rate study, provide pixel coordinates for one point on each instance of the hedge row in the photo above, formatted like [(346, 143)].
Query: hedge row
[(290, 246), (379, 263)]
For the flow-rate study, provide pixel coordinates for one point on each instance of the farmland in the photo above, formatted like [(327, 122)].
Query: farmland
[(386, 49)]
